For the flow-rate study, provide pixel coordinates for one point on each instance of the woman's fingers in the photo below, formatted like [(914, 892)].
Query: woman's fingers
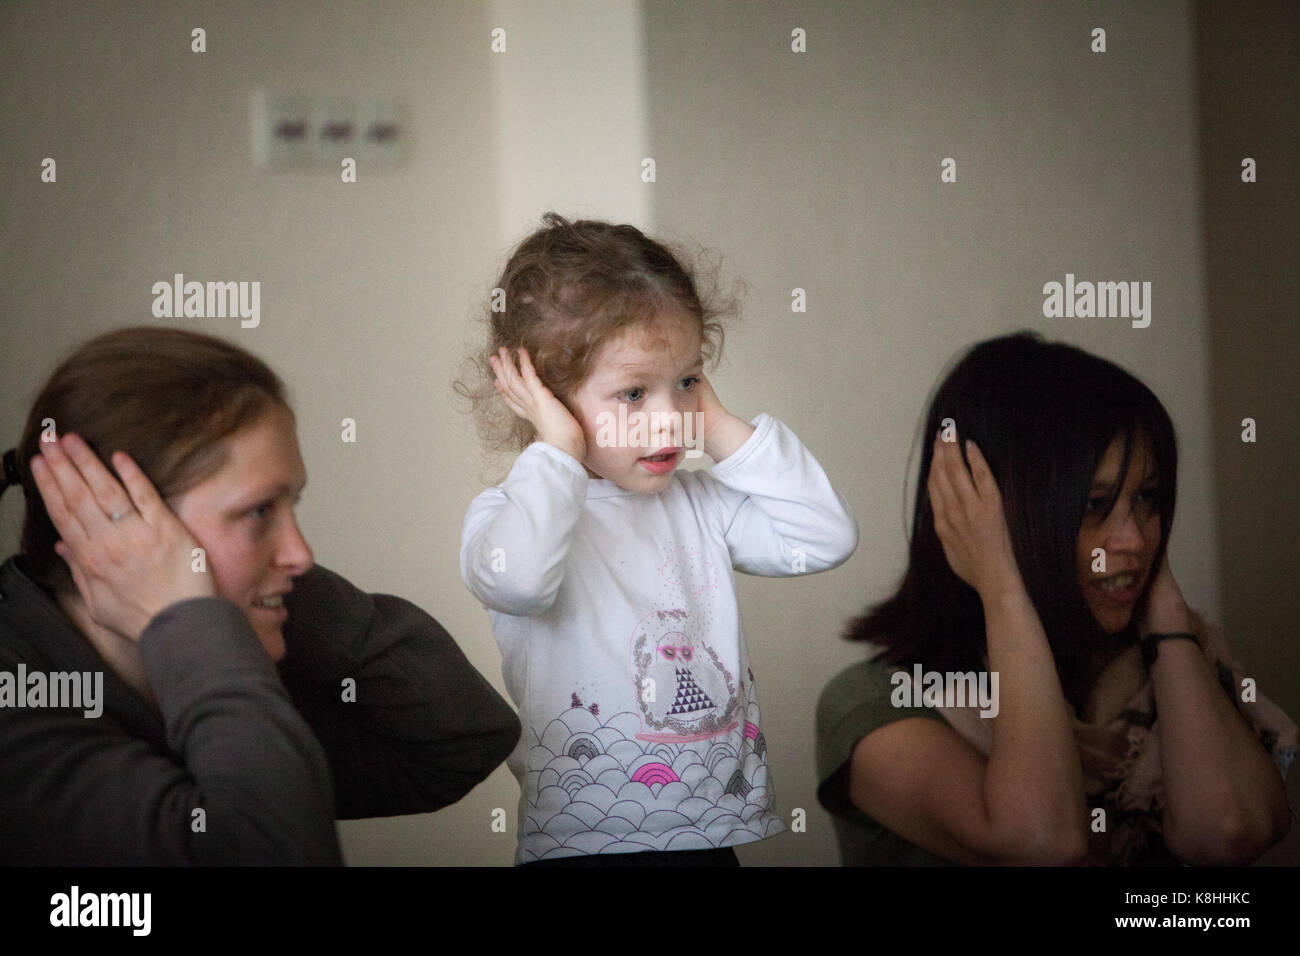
[(126, 572), (939, 506), (143, 494), (106, 493), (932, 489), (967, 510), (948, 519), (941, 476), (81, 514), (969, 483), (78, 499), (985, 484), (959, 477), (948, 522), (64, 521)]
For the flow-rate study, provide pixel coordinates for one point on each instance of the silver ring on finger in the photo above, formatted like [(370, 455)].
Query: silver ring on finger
[(119, 515)]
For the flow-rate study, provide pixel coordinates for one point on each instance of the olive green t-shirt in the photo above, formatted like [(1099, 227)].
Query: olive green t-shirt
[(853, 704)]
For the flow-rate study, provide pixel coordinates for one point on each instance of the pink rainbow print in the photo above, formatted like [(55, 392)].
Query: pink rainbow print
[(652, 773)]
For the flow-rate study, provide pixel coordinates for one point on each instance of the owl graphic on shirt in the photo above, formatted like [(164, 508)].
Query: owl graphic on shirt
[(685, 691)]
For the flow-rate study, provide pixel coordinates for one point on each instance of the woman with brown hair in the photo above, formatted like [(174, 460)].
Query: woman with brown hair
[(231, 698)]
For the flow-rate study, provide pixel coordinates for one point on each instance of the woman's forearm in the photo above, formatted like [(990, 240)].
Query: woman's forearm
[(1033, 782), (1224, 800)]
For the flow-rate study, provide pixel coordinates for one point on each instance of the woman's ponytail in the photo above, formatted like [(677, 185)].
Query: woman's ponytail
[(11, 476)]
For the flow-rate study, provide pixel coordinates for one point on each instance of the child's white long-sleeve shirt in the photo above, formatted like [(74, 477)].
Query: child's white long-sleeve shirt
[(622, 643)]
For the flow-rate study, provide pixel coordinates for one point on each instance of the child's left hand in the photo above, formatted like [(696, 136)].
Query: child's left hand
[(723, 431)]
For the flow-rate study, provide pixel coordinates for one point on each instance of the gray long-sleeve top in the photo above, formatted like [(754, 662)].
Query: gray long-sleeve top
[(269, 755)]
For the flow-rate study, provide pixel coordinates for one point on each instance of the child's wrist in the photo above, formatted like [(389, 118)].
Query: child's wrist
[(567, 447), (725, 438)]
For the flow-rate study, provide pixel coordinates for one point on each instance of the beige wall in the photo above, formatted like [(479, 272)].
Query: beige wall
[(369, 291), (821, 171), (818, 170), (366, 288), (1249, 102)]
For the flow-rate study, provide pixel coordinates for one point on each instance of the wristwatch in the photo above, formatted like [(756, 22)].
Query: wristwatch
[(1150, 644)]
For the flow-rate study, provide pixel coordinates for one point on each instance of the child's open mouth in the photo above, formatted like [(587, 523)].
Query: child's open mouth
[(661, 463)]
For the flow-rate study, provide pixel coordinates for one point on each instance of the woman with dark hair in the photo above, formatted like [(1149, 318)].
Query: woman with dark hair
[(179, 683), (1116, 730)]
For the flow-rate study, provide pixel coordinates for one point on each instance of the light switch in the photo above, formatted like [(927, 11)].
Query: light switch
[(282, 129), (316, 132), (335, 130), (383, 135)]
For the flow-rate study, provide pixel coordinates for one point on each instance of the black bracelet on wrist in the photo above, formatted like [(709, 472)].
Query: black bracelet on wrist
[(1150, 644)]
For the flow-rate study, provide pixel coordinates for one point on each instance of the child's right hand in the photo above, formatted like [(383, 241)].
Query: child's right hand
[(969, 520), (528, 398)]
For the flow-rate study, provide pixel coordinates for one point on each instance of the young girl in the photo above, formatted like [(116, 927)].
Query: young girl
[(607, 571)]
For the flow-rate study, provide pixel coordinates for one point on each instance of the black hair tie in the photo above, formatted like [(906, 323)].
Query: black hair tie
[(11, 470)]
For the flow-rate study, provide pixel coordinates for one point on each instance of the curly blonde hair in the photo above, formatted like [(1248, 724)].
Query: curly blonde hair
[(568, 289)]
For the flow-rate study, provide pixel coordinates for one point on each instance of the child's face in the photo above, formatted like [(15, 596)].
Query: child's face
[(656, 382)]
